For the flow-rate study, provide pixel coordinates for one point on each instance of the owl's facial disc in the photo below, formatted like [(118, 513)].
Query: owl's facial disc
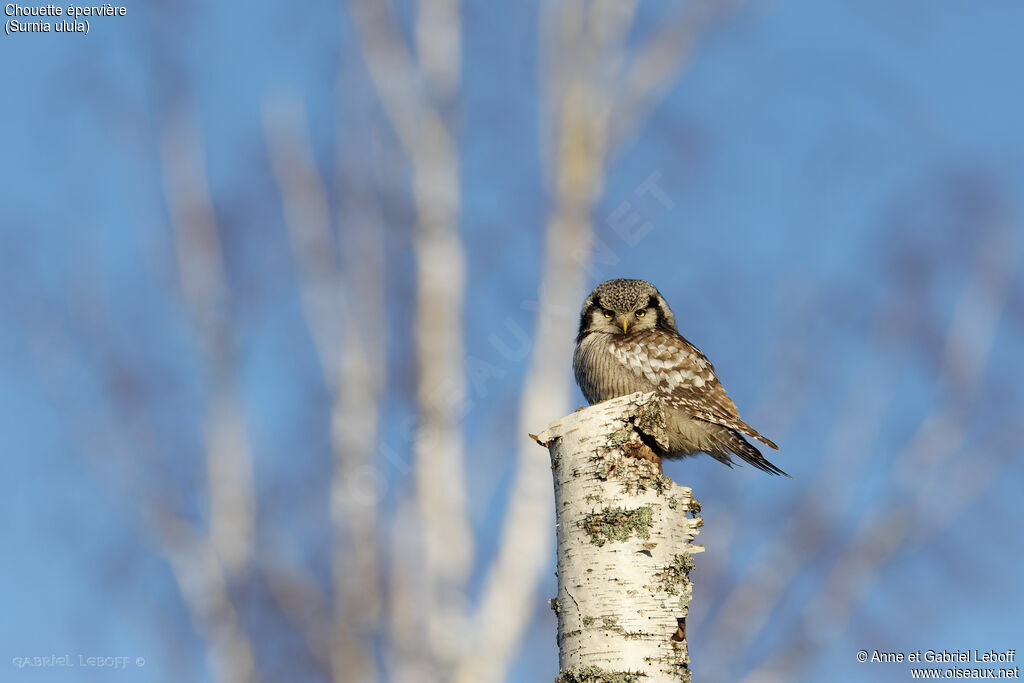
[(624, 307), (636, 320), (604, 320), (639, 319), (618, 317)]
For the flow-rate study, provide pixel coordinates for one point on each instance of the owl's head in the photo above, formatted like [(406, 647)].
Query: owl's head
[(624, 307)]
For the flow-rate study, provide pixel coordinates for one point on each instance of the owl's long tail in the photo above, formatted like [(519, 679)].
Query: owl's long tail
[(732, 441)]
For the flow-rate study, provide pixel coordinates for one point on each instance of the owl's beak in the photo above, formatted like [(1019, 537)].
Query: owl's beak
[(625, 324)]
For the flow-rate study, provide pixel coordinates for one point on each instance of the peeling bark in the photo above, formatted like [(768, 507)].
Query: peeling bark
[(624, 546)]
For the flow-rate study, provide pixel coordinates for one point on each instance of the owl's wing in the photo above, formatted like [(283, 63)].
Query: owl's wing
[(685, 375)]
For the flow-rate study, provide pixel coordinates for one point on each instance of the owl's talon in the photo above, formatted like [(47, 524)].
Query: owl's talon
[(638, 449)]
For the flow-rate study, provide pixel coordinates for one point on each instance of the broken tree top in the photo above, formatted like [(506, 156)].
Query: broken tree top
[(625, 535)]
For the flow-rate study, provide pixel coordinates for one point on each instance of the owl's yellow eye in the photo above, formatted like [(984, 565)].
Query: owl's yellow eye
[(641, 314), (608, 314)]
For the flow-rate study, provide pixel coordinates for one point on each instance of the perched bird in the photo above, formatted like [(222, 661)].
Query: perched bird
[(628, 342)]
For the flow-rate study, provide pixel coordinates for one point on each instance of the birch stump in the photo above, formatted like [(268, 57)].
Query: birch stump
[(624, 546)]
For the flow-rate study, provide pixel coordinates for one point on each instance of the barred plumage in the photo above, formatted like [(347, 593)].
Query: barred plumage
[(628, 342)]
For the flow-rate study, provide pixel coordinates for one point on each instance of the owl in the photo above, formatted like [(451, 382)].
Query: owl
[(628, 342)]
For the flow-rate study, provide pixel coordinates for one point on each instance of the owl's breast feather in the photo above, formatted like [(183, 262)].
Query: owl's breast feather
[(605, 370)]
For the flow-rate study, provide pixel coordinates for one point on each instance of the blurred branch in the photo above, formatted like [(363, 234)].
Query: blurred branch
[(408, 661), (396, 77), (794, 373), (509, 595), (582, 53), (298, 594), (508, 601), (232, 508), (202, 565), (345, 336), (938, 439), (440, 263), (439, 46), (193, 559), (882, 534), (747, 608), (885, 528), (307, 219), (203, 586), (203, 285), (658, 63)]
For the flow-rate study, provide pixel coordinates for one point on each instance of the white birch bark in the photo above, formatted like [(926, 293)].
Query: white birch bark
[(624, 546)]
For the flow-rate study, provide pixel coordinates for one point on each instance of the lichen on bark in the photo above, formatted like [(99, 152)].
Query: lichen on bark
[(594, 674), (616, 524)]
